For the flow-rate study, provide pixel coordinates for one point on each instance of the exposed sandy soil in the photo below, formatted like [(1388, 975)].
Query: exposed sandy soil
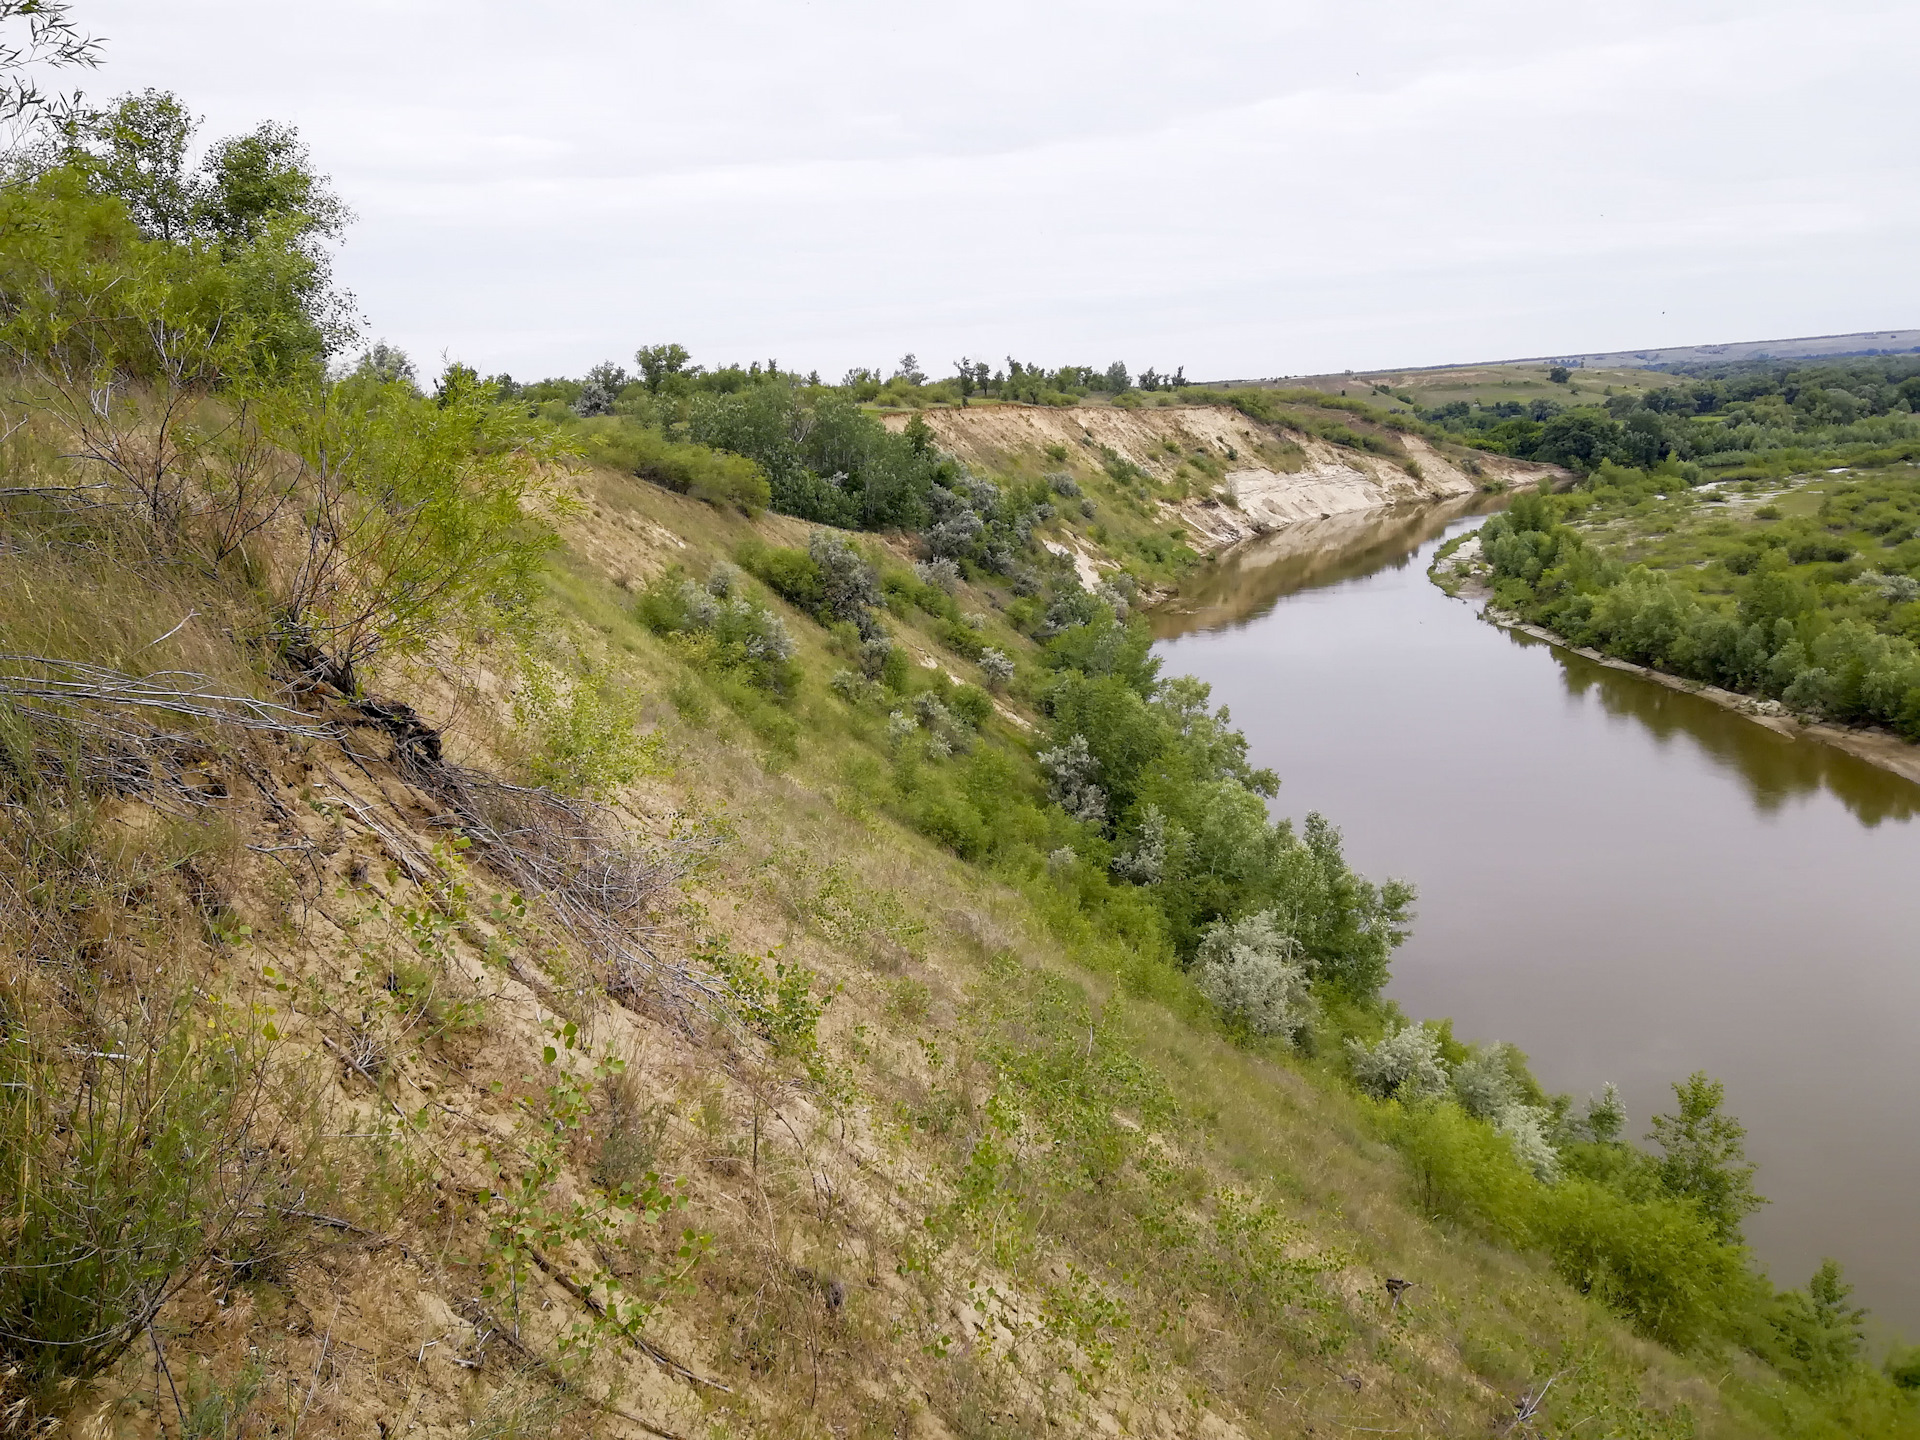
[(1278, 477)]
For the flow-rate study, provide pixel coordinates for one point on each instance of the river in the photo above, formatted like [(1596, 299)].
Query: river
[(1628, 882)]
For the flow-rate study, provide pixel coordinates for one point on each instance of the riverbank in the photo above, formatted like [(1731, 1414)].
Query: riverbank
[(1876, 747), (1676, 889), (1461, 571), (1225, 477)]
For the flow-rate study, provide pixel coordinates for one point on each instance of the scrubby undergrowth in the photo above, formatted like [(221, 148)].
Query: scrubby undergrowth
[(501, 945), (882, 1143)]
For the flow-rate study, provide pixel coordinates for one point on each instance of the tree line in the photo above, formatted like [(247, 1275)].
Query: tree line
[(1723, 415)]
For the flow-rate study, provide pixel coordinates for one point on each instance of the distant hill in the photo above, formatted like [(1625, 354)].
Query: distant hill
[(1676, 357), (1806, 347)]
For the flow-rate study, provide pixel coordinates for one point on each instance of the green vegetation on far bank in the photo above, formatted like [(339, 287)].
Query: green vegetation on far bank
[(1748, 419), (1055, 1101), (1808, 595)]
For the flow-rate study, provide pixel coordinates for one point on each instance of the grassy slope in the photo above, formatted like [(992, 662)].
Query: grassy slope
[(1402, 390), (1481, 1326), (1194, 1257)]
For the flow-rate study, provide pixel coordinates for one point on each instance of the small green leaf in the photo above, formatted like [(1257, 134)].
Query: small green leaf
[(550, 1054)]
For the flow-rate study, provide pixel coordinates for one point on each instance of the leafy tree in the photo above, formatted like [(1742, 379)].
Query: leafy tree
[(1818, 1329), (660, 364), (456, 383), (138, 149), (1116, 379), (247, 185), (602, 387), (255, 203), (1704, 1156), (38, 34), (1559, 374), (1606, 1117), (908, 371), (263, 177), (968, 379), (387, 364)]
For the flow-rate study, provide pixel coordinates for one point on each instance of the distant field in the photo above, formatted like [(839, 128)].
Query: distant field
[(1405, 390), (1621, 369), (1804, 347)]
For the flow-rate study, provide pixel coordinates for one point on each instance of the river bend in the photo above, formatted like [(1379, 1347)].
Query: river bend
[(1628, 882)]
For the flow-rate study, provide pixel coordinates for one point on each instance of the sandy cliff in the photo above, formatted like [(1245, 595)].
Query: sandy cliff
[(1276, 476)]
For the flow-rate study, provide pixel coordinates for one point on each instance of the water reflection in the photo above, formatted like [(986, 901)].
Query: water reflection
[(1248, 581), (1776, 769), (1627, 881)]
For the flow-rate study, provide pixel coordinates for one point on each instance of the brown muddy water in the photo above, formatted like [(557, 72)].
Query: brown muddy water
[(1628, 882)]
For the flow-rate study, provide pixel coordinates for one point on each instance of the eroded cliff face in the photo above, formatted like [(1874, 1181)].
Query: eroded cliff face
[(1275, 476)]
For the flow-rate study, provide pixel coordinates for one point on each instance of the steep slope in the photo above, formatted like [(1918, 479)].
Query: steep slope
[(1273, 475), (1006, 1183)]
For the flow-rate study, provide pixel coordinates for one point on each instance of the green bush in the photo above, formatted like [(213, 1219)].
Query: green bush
[(127, 1172), (782, 1008), (585, 732), (962, 639), (791, 574), (722, 631), (1658, 1261), (1655, 1260), (715, 476), (971, 704)]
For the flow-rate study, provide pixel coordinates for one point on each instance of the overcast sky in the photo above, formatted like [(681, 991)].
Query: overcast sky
[(1239, 188)]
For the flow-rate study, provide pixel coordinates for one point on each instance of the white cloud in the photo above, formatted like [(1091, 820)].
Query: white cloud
[(1248, 188)]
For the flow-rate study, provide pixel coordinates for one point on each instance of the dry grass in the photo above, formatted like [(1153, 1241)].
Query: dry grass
[(854, 1284)]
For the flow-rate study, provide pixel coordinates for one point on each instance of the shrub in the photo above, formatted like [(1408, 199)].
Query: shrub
[(1657, 1262), (995, 667), (1526, 1128), (848, 584), (1483, 1083), (714, 476), (961, 638), (723, 632), (1252, 970), (939, 572), (1463, 1171), (946, 734), (133, 1159), (1070, 768), (971, 705), (586, 733), (418, 517), (947, 818), (781, 1008), (790, 574), (852, 687), (1404, 1065)]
